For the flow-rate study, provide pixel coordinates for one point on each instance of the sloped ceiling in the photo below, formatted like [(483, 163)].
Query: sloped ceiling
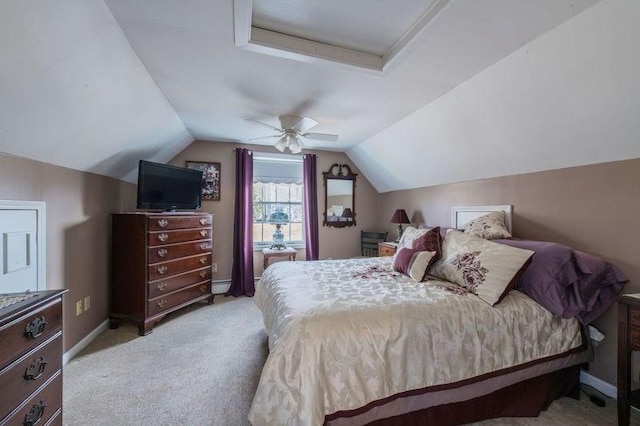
[(97, 86), (75, 94)]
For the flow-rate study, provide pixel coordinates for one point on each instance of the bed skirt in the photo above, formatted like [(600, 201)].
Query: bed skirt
[(521, 393)]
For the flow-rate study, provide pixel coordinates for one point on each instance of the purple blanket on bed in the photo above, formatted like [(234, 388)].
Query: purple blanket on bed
[(567, 282)]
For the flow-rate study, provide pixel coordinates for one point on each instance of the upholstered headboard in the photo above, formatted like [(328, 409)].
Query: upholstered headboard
[(461, 215)]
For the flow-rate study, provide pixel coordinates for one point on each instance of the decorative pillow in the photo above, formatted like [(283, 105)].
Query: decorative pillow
[(429, 241), (409, 235), (413, 263), (488, 226), (485, 268)]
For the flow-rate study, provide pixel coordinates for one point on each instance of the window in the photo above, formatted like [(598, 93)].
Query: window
[(277, 188)]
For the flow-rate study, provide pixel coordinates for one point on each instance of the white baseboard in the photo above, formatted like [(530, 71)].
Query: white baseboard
[(84, 342), (220, 286), (598, 384)]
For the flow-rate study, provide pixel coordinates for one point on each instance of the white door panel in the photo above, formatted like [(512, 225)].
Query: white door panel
[(18, 250)]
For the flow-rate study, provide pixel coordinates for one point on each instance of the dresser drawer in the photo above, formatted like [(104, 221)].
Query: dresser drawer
[(175, 251), (43, 406), (166, 269), (160, 287), (160, 304), (159, 223), (634, 316), (19, 337), (29, 373), (386, 250), (170, 237)]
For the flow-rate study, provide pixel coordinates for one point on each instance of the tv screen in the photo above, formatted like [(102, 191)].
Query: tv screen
[(163, 187)]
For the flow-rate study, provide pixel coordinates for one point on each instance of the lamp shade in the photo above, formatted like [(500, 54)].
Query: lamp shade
[(347, 212), (279, 217), (400, 216)]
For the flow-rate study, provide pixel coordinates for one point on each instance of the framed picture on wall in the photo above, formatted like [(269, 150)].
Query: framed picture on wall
[(210, 179)]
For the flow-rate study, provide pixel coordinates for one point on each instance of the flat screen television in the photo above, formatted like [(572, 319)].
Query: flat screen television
[(164, 187)]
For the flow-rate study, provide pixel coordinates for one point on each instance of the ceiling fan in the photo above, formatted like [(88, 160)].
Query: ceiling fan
[(293, 129)]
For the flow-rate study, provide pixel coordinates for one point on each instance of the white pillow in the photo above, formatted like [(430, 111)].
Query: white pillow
[(483, 267), (409, 235), (488, 226)]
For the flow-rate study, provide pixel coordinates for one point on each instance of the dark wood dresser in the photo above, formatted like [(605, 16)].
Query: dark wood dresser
[(31, 359), (628, 341), (161, 262)]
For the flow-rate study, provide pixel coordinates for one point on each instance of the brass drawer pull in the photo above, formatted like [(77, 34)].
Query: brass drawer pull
[(203, 274), (203, 221), (163, 252), (204, 246), (163, 223), (203, 288), (203, 260), (162, 269), (162, 303), (163, 237), (36, 369), (161, 286), (35, 328), (203, 232), (35, 414)]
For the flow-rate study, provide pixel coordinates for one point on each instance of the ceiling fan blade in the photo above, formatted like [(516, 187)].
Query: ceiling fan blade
[(263, 124), (265, 137), (304, 124), (321, 137)]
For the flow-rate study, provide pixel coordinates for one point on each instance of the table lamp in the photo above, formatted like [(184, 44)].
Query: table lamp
[(278, 218), (399, 217)]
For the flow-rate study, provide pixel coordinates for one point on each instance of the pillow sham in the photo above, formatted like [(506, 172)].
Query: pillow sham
[(488, 226), (409, 235), (485, 268), (430, 241), (411, 262), (567, 282)]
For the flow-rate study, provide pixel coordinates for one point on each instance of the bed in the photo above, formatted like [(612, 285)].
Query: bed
[(355, 342)]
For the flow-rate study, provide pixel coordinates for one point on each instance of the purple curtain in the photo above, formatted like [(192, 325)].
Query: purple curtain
[(242, 272), (310, 175)]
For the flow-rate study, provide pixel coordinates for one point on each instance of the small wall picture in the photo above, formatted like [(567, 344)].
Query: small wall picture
[(210, 179)]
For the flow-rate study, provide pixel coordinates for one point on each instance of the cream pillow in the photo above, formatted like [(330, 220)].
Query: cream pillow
[(483, 267), (413, 263), (489, 226), (409, 235)]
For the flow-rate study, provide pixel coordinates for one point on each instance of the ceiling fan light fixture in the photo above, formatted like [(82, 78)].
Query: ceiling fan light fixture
[(294, 147), (281, 145)]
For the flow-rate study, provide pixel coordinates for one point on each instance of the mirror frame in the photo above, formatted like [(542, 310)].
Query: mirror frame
[(340, 172)]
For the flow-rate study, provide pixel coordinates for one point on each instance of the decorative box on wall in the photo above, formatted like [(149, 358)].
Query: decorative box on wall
[(160, 263)]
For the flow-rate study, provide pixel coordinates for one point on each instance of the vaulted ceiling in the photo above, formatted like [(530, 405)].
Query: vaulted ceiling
[(97, 86)]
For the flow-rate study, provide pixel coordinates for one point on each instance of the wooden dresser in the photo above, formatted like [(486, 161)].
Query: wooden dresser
[(161, 262), (31, 359), (628, 341)]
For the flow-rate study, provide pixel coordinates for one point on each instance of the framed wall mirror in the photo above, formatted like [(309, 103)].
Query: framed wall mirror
[(339, 196)]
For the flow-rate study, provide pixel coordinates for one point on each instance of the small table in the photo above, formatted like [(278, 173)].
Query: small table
[(289, 252), (387, 248)]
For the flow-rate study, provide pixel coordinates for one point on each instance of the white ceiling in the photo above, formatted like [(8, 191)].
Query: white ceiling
[(87, 91)]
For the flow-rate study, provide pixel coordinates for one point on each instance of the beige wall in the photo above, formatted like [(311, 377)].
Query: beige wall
[(591, 208), (334, 242), (78, 205)]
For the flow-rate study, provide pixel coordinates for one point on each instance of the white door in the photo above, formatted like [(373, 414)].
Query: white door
[(18, 250)]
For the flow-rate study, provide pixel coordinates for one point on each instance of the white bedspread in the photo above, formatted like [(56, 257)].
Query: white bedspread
[(344, 333)]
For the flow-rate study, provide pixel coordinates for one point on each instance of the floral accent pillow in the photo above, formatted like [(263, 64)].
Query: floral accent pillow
[(409, 235), (413, 263), (483, 267), (489, 226)]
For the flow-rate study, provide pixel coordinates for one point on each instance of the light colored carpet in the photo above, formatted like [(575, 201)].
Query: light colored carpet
[(201, 366)]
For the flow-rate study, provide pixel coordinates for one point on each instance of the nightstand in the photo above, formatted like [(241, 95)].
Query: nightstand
[(387, 248), (628, 340), (289, 252)]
